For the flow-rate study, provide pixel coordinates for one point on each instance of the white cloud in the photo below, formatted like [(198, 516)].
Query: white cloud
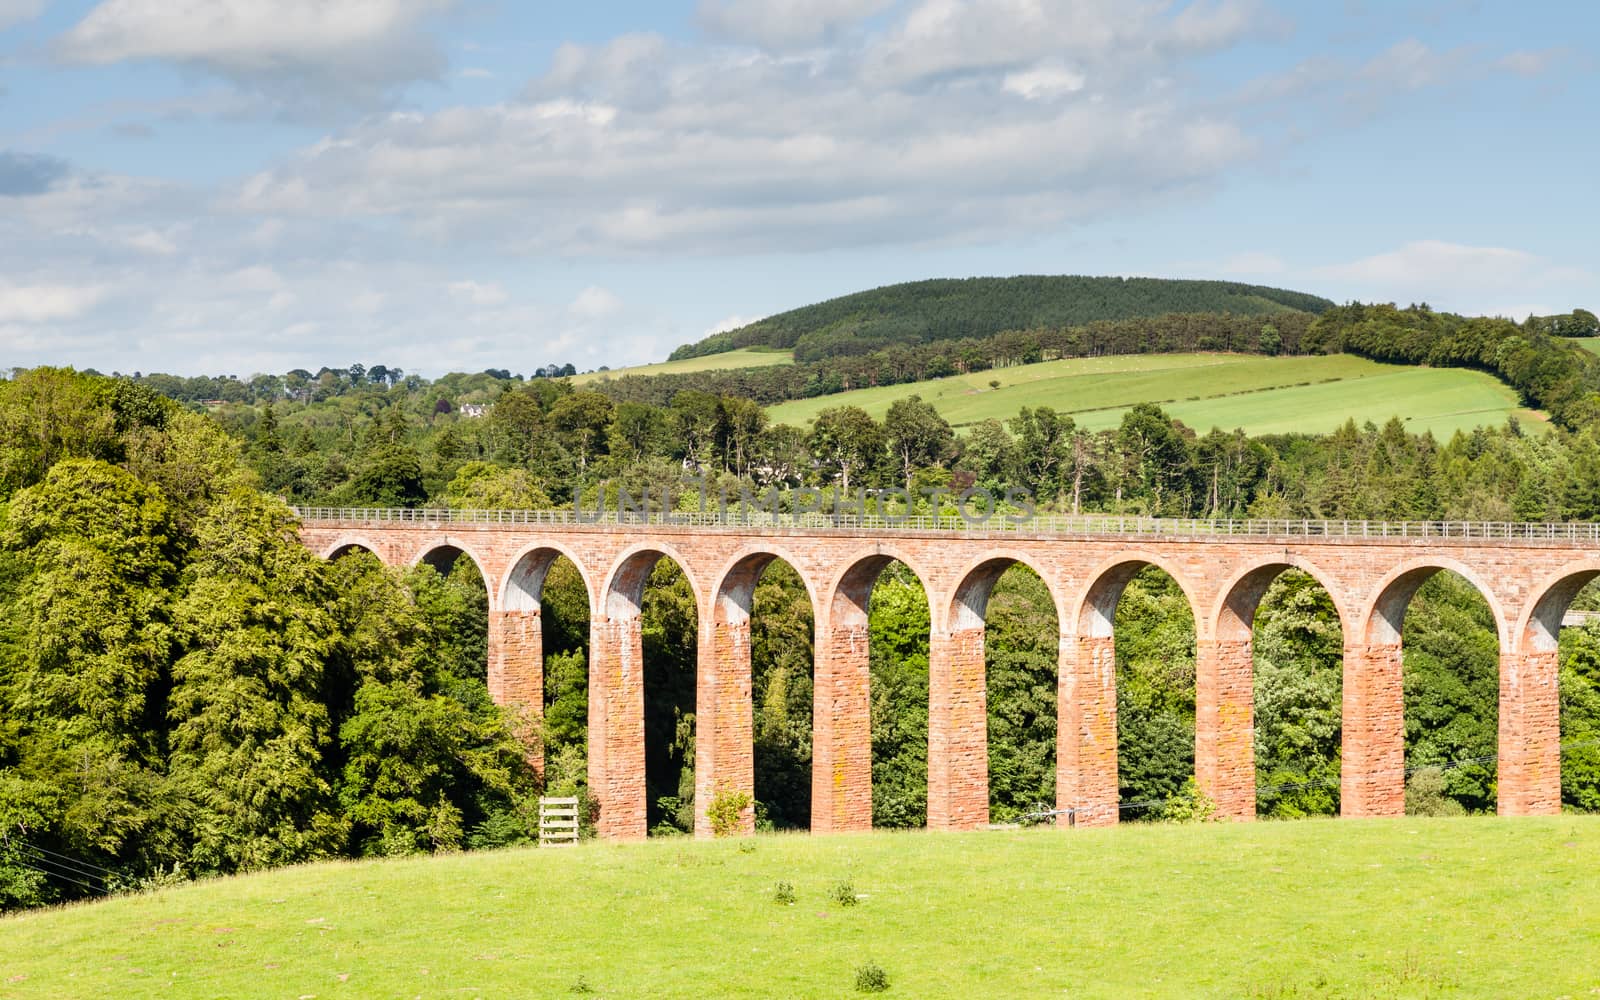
[(731, 323), (34, 304), (1043, 82), (307, 52), (640, 145), (1525, 62), (479, 293), (594, 303), (777, 24), (1460, 278), (17, 11)]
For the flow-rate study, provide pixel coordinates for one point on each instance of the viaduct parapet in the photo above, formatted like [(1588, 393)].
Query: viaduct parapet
[(1528, 574)]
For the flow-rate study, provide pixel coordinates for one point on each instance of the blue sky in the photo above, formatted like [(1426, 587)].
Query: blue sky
[(231, 186)]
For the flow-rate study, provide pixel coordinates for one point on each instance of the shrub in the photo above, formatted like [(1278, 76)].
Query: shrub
[(784, 894), (724, 811), (870, 978), (1191, 805), (844, 893)]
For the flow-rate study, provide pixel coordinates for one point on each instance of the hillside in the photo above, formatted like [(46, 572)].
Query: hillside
[(1413, 907), (710, 362), (948, 309), (1313, 394)]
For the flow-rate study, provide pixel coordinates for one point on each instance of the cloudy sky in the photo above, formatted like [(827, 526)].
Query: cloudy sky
[(230, 186)]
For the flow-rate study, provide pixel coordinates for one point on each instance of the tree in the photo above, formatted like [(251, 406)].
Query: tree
[(845, 441), (918, 436)]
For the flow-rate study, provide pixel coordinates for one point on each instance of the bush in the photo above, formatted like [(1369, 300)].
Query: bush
[(1191, 805), (844, 893), (870, 978), (784, 894), (725, 810), (1425, 794)]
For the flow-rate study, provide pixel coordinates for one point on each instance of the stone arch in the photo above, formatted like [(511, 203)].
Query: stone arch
[(1539, 626), (618, 755), (436, 553), (736, 581), (841, 731), (516, 676), (1373, 769), (523, 583), (725, 756), (1095, 614), (1233, 615), (960, 770), (1383, 614), (345, 544), (849, 592), (969, 601), (1225, 683), (1529, 780), (1087, 789), (623, 590)]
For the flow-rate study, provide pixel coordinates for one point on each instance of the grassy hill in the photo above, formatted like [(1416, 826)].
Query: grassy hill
[(1390, 908), (746, 358), (945, 309), (1263, 395)]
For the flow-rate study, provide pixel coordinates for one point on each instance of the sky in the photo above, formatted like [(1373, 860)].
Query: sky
[(241, 186)]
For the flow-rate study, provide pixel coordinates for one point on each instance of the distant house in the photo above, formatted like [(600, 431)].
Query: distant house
[(474, 409)]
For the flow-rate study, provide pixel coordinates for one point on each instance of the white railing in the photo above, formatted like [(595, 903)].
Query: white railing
[(1051, 524)]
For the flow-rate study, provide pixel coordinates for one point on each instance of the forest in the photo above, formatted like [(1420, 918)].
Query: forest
[(185, 691), (949, 309)]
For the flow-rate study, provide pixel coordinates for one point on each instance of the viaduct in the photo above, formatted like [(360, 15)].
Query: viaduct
[(1528, 573)]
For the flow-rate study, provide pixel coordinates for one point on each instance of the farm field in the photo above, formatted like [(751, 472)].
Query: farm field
[(1590, 344), (1262, 395), (1472, 907), (745, 358)]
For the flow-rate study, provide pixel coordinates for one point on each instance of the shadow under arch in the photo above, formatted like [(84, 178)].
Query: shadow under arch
[(1374, 773), (734, 754), (964, 717)]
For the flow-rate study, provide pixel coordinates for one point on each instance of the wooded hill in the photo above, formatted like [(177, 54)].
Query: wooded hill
[(952, 308)]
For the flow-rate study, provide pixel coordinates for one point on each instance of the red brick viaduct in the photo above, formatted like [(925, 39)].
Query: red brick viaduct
[(1527, 573)]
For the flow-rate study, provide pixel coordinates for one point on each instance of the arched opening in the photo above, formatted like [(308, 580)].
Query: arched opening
[(343, 549), (1422, 706), (870, 719), (756, 739), (1008, 609), (538, 664), (1296, 639), (452, 593), (1561, 639), (642, 757), (1131, 687)]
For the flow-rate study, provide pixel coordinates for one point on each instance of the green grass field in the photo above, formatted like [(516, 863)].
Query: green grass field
[(1590, 344), (1476, 907), (746, 358), (1260, 394)]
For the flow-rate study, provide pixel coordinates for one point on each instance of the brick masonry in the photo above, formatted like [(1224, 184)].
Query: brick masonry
[(1527, 584)]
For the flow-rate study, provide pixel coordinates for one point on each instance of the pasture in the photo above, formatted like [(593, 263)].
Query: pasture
[(1472, 907)]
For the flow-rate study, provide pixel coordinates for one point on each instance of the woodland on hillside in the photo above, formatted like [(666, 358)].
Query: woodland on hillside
[(955, 308), (186, 691)]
